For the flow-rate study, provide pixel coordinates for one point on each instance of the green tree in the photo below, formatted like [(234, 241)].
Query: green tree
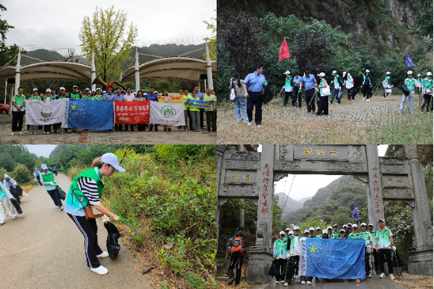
[(7, 53), (212, 41), (109, 37), (424, 22), (21, 174), (342, 216)]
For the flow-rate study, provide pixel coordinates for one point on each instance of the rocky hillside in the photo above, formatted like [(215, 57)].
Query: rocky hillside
[(288, 204), (380, 24)]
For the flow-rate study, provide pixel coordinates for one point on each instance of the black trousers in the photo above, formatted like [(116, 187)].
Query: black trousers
[(54, 194), (47, 128), (129, 125), (294, 99), (190, 121), (254, 99), (367, 262), (279, 269), (211, 120), (376, 261), (385, 255), (118, 127), (152, 125), (309, 96), (17, 120), (350, 93), (39, 180), (236, 261), (366, 91), (293, 268), (287, 95), (89, 230), (323, 105), (201, 113), (426, 101)]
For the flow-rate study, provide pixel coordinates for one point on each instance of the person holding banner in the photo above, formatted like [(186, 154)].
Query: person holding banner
[(152, 96), (201, 110), (368, 247), (166, 98), (47, 98), (87, 95), (109, 96), (190, 127), (385, 244), (118, 97), (194, 113), (74, 94), (354, 234), (181, 94), (140, 97), (98, 95), (129, 97), (318, 233), (211, 112), (335, 233), (18, 108), (34, 98), (342, 234)]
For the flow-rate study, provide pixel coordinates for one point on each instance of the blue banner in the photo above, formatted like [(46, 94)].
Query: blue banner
[(89, 114), (335, 258), (201, 104)]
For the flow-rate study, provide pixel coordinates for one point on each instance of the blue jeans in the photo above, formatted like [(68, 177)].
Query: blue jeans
[(335, 93), (410, 102), (241, 101)]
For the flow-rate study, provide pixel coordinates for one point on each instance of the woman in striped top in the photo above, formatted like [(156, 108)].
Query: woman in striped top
[(86, 190)]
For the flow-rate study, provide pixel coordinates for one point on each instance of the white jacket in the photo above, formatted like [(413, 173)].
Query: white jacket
[(349, 82), (5, 183), (5, 189)]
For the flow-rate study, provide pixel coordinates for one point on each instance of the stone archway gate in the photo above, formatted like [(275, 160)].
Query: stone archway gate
[(251, 175)]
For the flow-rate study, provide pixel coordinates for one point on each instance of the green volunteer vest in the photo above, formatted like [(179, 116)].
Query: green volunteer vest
[(321, 84), (384, 238), (288, 83), (364, 78), (75, 96), (410, 83), (98, 97), (192, 108), (87, 97), (35, 98), (427, 84), (61, 96), (335, 235), (209, 98), (19, 100), (365, 236), (48, 178), (2, 194), (93, 174), (318, 237), (45, 97), (351, 236)]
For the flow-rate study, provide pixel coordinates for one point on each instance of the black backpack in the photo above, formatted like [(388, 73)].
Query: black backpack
[(113, 246), (405, 90)]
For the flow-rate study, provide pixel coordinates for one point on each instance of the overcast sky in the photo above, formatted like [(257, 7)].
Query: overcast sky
[(41, 150), (307, 185), (54, 24)]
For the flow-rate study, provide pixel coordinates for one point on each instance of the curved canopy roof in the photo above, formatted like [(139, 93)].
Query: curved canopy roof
[(50, 70), (181, 68)]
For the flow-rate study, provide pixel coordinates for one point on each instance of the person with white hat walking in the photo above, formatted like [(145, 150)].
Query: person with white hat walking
[(366, 85), (410, 82), (296, 90), (349, 84), (288, 87), (384, 245), (11, 185), (294, 251), (338, 86), (280, 255), (5, 197), (388, 86), (324, 92), (51, 186), (427, 92), (86, 190)]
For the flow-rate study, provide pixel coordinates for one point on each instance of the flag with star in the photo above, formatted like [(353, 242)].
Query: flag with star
[(88, 114), (333, 258)]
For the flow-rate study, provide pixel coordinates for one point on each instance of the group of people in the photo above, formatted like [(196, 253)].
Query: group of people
[(287, 250), (194, 117), (249, 92)]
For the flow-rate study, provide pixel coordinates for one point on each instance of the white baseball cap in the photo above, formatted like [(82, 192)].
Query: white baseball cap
[(296, 228), (349, 224), (287, 229), (428, 73), (112, 160), (87, 89), (287, 72), (388, 73), (335, 225), (409, 72), (48, 90), (104, 91), (325, 231), (329, 228), (334, 71), (341, 231), (62, 88), (371, 225), (44, 167), (418, 75), (355, 226), (363, 224), (306, 231), (318, 228), (291, 232), (282, 233), (381, 220), (35, 89), (98, 89), (322, 74), (311, 229), (74, 86), (93, 90), (367, 70), (345, 226)]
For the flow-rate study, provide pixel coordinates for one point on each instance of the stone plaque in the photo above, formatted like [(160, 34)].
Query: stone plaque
[(237, 177), (239, 191), (398, 194), (395, 181), (321, 152)]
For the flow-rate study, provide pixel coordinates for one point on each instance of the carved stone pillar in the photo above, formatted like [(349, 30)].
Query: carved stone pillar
[(220, 153)]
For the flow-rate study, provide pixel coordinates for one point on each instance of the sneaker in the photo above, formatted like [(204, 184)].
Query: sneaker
[(103, 254), (302, 282), (20, 133), (382, 275), (357, 280), (100, 270), (2, 222), (249, 123), (61, 208), (12, 134), (283, 281), (391, 277), (308, 282), (259, 125), (363, 99), (14, 217), (370, 275), (285, 284), (330, 102), (238, 120), (367, 100)]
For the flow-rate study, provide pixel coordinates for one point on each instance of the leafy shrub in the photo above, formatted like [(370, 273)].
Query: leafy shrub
[(21, 174)]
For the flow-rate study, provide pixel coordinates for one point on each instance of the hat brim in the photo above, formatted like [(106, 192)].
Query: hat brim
[(118, 168)]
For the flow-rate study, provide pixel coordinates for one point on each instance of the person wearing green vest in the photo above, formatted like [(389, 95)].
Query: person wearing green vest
[(5, 197), (294, 253), (367, 85), (181, 94), (74, 94), (338, 86), (288, 87), (335, 233), (287, 230), (211, 115), (318, 233), (306, 233), (86, 190), (48, 97), (280, 255), (368, 248), (311, 233), (323, 104), (354, 234), (98, 95), (51, 186), (87, 95), (329, 231), (388, 88), (385, 244), (18, 108), (410, 82), (374, 245), (33, 99), (342, 233), (427, 92), (194, 113)]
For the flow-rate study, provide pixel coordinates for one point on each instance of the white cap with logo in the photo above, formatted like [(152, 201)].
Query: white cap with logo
[(48, 90), (112, 160), (282, 233), (325, 231), (44, 167)]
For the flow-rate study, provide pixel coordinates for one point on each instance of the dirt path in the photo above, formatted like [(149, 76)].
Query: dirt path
[(43, 248)]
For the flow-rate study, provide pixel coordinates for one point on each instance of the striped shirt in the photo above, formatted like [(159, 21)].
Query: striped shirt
[(90, 189)]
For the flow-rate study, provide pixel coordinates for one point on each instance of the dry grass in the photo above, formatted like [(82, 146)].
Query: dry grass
[(357, 122), (422, 283)]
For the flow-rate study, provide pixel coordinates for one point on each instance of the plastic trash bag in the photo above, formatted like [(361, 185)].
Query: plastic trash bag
[(113, 246)]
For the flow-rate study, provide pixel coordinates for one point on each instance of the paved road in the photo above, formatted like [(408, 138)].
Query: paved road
[(43, 248)]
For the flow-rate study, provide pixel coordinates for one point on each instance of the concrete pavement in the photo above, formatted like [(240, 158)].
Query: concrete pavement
[(43, 248)]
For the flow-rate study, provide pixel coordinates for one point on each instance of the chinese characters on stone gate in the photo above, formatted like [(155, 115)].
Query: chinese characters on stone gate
[(264, 189), (398, 181), (319, 152), (237, 177), (376, 189)]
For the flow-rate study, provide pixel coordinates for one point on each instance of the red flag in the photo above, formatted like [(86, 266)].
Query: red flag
[(284, 52)]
